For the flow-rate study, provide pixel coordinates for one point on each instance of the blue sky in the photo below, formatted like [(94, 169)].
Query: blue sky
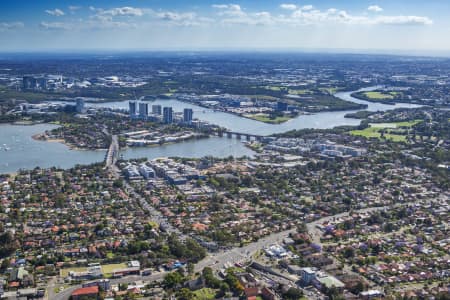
[(397, 25)]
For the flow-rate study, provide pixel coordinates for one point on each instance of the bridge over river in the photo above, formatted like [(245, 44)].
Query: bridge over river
[(239, 135)]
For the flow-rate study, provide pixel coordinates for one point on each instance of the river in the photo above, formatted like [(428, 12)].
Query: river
[(24, 152)]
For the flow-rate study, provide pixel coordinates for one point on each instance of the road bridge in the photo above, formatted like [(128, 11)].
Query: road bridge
[(113, 152), (239, 135)]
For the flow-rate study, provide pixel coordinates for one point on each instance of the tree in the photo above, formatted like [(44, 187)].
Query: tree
[(210, 280), (349, 252), (173, 279), (185, 294), (8, 244), (190, 268), (357, 288), (293, 294)]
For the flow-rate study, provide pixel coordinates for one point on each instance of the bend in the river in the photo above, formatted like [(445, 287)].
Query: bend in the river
[(26, 153)]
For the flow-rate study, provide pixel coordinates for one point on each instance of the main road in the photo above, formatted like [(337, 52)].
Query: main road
[(216, 261), (65, 294), (113, 152)]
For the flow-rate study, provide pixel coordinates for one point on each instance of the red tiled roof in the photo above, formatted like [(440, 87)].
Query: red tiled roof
[(85, 291), (252, 291)]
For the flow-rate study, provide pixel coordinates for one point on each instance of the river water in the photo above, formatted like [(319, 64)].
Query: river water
[(22, 152)]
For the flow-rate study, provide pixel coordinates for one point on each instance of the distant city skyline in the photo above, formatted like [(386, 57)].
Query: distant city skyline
[(120, 25)]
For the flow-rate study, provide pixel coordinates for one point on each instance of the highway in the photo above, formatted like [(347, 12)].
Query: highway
[(240, 254), (155, 215), (65, 294), (216, 260), (113, 152)]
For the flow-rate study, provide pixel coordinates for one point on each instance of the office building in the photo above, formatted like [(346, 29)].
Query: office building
[(167, 115), (187, 115), (143, 109), (281, 106), (132, 105), (29, 82), (156, 109), (41, 83), (80, 105)]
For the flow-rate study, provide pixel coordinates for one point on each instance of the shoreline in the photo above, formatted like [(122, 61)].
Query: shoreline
[(42, 137), (362, 107)]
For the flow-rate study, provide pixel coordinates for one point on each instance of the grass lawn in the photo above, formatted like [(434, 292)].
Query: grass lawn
[(153, 224), (380, 95), (407, 124), (299, 92), (274, 88), (205, 294), (263, 97), (108, 269), (267, 119), (330, 90), (374, 130)]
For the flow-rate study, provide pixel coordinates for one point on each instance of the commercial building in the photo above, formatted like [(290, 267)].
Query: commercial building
[(143, 110), (132, 108), (32, 83), (168, 115), (281, 106), (187, 115), (156, 109), (103, 284), (307, 275), (29, 82), (80, 105), (86, 292)]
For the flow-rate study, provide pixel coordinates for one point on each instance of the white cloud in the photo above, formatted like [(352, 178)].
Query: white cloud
[(173, 16), (220, 6), (11, 25), (229, 14), (74, 7), (181, 19), (121, 11), (403, 20), (231, 10), (288, 6), (332, 15), (55, 12), (374, 8), (54, 26)]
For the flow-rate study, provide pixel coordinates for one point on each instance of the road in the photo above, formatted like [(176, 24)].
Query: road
[(315, 233), (113, 152), (155, 214), (216, 260), (235, 255), (110, 164), (240, 254), (65, 294)]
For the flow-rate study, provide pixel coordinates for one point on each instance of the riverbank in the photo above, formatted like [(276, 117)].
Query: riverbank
[(159, 143), (26, 123), (278, 120), (44, 138), (267, 119)]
